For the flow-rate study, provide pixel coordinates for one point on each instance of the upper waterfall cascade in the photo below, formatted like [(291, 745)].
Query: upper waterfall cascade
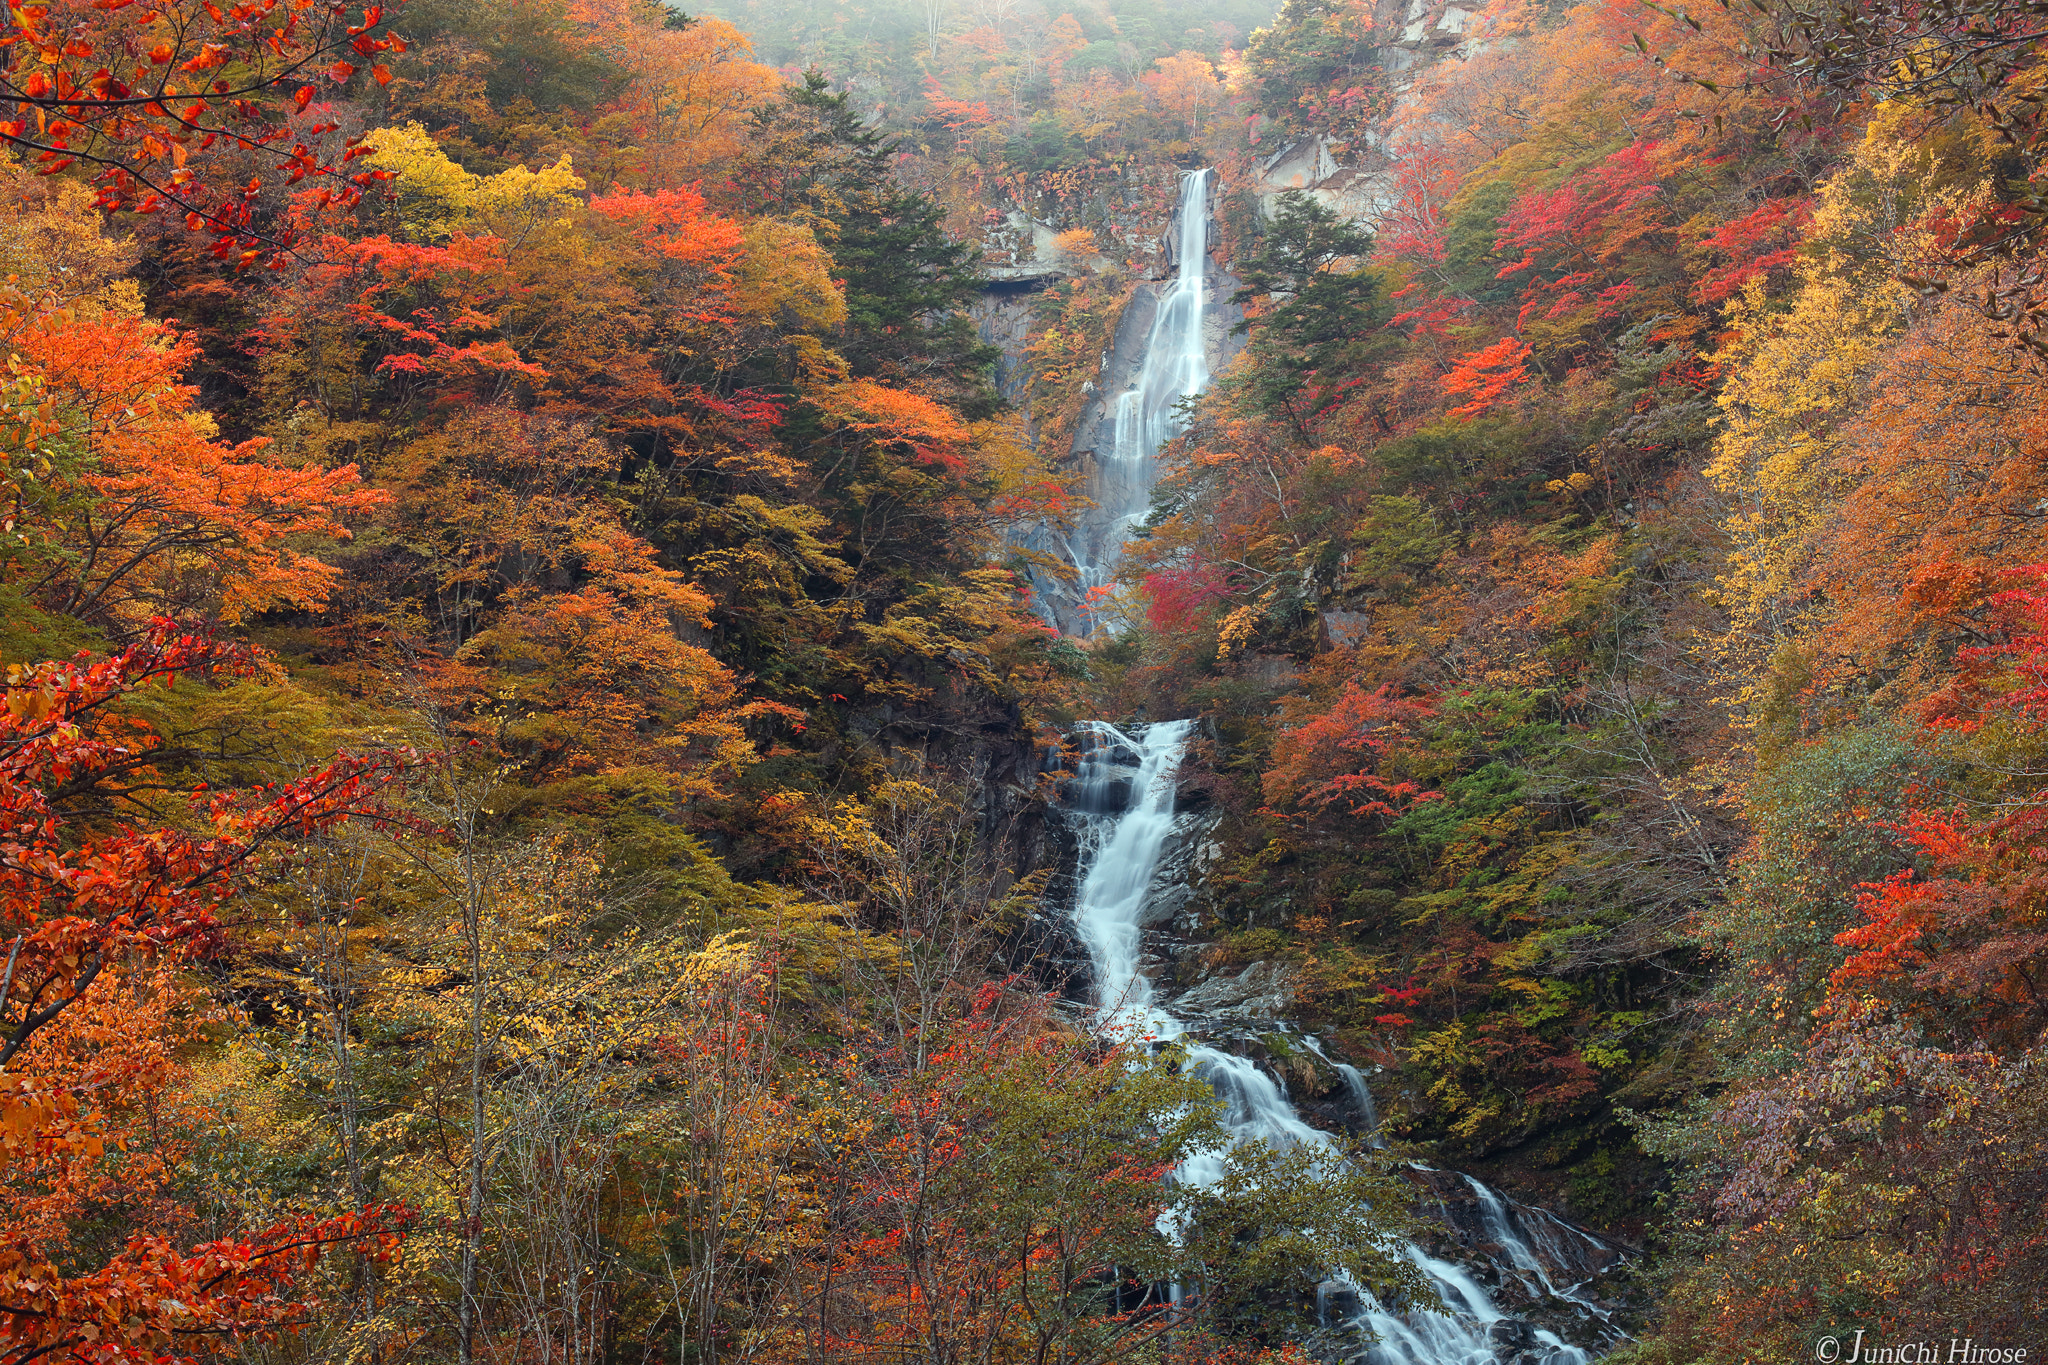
[(1144, 416), (1121, 802)]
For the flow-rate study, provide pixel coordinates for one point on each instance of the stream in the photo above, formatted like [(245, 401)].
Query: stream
[(1120, 804), (1520, 1292)]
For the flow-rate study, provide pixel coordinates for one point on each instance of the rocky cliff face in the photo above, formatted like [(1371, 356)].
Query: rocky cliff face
[(1002, 319), (1358, 180)]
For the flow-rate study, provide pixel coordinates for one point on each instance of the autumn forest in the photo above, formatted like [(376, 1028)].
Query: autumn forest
[(626, 743)]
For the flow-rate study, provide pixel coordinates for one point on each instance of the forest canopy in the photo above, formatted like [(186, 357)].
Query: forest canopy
[(536, 778)]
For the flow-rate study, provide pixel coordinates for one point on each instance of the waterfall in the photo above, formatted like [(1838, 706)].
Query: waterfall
[(1355, 1087), (1511, 1229), (1175, 364), (1126, 786), (1122, 801)]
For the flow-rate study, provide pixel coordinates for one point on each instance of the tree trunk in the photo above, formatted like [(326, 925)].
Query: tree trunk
[(473, 1209)]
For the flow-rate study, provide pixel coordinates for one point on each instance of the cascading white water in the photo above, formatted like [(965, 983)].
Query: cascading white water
[(1122, 797), (1355, 1087), (1521, 1234), (1175, 365), (1125, 785)]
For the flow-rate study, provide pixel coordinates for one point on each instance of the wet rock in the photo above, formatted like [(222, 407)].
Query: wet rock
[(1510, 1336), (1174, 881), (1339, 1302), (1308, 1076), (1261, 991), (1106, 798)]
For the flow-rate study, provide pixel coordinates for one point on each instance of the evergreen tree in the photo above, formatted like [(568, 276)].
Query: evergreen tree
[(1322, 326), (906, 281)]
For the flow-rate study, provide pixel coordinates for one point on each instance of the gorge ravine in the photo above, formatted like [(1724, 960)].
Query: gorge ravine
[(1120, 806)]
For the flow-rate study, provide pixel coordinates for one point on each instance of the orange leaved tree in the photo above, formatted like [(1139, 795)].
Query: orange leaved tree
[(120, 502), (1349, 754)]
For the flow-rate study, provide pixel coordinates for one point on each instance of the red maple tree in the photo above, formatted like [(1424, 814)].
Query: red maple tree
[(158, 98), (81, 911)]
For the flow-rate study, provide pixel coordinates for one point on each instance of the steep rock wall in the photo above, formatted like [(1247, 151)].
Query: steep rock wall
[(1358, 180)]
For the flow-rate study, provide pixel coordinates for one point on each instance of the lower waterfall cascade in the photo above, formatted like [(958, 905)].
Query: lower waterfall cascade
[(1121, 805)]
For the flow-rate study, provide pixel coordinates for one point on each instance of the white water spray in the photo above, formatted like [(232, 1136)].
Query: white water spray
[(1122, 798), (1355, 1087)]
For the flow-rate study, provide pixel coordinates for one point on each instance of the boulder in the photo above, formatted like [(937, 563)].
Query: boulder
[(1260, 991)]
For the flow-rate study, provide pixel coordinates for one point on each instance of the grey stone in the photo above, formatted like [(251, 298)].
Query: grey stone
[(1260, 991)]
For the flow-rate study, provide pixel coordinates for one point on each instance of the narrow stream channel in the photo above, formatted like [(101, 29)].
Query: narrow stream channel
[(1121, 803)]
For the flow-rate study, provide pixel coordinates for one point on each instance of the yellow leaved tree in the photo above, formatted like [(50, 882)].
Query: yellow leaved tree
[(1798, 370), (432, 197)]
